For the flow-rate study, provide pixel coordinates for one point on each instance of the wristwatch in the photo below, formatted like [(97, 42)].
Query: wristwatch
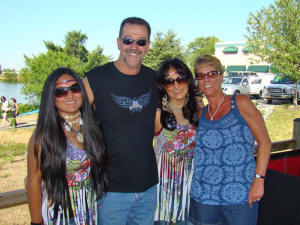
[(259, 176)]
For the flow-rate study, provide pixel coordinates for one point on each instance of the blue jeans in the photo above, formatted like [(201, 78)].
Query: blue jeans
[(116, 208), (201, 214)]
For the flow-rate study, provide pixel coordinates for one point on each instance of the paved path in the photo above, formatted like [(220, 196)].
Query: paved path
[(24, 124)]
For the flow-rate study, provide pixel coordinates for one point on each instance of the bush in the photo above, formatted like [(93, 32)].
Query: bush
[(23, 108)]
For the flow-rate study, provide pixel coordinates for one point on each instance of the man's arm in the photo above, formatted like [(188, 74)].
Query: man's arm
[(88, 90)]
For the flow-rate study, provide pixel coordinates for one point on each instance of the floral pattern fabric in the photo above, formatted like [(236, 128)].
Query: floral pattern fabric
[(82, 194), (174, 153), (224, 161)]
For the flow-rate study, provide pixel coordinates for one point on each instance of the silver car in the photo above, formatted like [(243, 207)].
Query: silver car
[(236, 85)]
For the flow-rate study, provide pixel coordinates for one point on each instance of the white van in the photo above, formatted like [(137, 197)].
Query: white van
[(256, 87)]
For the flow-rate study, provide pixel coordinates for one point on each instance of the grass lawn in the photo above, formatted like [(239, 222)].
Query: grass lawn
[(280, 122)]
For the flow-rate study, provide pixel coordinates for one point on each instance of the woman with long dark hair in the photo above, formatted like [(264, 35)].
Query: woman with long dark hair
[(66, 158), (175, 128)]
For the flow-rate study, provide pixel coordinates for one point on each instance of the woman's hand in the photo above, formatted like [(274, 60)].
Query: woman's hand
[(256, 191)]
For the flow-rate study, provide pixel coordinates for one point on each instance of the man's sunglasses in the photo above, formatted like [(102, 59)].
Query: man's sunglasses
[(210, 75), (180, 80), (63, 91), (129, 41)]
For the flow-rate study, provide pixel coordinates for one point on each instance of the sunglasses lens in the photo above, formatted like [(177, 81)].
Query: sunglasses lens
[(212, 74), (169, 81), (75, 88), (141, 42), (200, 76), (63, 91), (181, 79), (127, 41)]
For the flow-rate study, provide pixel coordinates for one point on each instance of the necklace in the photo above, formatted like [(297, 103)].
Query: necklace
[(175, 107), (177, 111), (212, 116), (72, 117), (68, 127)]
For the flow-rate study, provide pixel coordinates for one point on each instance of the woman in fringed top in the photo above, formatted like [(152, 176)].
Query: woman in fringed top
[(66, 159), (175, 128)]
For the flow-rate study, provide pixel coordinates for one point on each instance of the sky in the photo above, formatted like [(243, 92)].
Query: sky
[(25, 24)]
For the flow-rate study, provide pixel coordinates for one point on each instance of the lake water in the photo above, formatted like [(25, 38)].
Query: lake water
[(12, 90)]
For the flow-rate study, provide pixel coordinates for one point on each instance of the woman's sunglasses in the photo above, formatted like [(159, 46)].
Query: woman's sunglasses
[(129, 41), (63, 91), (210, 75), (180, 80)]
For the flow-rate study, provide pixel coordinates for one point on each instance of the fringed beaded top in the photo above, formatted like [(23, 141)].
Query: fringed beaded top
[(82, 194), (174, 153)]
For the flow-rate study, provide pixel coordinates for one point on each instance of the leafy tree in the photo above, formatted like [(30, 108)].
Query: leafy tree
[(274, 36), (73, 55), (165, 46), (51, 46), (200, 46), (96, 58), (39, 67), (75, 45)]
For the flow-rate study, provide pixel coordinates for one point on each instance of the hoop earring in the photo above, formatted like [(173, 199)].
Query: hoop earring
[(187, 98), (165, 103)]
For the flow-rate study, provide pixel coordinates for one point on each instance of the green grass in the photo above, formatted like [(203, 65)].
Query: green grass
[(280, 122), (10, 150)]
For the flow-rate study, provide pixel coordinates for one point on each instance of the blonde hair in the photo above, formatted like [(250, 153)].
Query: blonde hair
[(208, 60)]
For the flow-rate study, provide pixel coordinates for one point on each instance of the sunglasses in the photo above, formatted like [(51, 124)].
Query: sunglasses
[(63, 91), (210, 75), (129, 41), (180, 80)]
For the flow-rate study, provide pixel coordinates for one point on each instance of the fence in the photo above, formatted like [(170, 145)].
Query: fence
[(281, 150)]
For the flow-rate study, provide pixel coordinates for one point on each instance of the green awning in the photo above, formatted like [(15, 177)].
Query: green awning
[(235, 68), (231, 49), (258, 68), (245, 50), (273, 69)]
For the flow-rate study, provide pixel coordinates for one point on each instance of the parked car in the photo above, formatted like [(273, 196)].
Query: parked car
[(282, 87), (236, 85)]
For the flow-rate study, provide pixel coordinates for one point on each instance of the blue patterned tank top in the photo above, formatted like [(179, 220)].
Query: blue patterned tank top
[(224, 164)]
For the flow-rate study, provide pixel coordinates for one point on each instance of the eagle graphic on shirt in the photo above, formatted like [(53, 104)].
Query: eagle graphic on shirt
[(134, 104)]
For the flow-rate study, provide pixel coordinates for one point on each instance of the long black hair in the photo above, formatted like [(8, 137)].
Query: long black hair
[(51, 140), (191, 107)]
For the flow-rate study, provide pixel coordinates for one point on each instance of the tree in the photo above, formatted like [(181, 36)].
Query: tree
[(75, 45), (274, 36), (73, 55), (96, 58), (200, 46), (39, 67), (165, 46)]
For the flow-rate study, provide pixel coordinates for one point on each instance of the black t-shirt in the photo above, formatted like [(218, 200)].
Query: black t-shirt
[(125, 107)]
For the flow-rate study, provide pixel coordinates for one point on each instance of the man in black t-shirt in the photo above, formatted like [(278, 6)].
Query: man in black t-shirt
[(125, 100)]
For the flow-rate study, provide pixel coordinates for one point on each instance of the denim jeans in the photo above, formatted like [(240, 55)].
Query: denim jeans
[(116, 208), (201, 214)]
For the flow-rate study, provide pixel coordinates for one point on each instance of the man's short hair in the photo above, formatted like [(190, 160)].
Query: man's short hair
[(135, 20)]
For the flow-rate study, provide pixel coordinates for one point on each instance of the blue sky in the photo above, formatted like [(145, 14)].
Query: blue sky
[(26, 23)]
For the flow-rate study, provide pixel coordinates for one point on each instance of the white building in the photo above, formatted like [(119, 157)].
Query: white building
[(235, 56)]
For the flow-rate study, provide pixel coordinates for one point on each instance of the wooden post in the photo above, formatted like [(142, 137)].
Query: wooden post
[(13, 198), (296, 132)]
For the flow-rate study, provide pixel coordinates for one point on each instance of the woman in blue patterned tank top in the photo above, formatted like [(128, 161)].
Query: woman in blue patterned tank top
[(227, 182), (66, 156)]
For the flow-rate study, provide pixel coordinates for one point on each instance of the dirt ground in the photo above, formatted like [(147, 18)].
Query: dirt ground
[(12, 174)]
